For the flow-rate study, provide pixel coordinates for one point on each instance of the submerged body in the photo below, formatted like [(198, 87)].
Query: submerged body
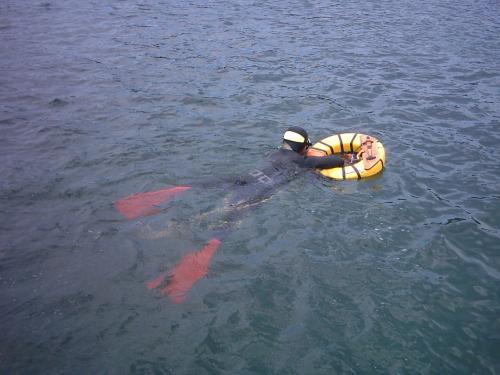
[(247, 191), (258, 185), (280, 167)]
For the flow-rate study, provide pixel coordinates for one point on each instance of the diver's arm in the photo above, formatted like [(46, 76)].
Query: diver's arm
[(323, 162)]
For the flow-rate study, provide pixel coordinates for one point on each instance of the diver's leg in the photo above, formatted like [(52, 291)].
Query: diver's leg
[(172, 228), (194, 265), (209, 219), (149, 203), (149, 233)]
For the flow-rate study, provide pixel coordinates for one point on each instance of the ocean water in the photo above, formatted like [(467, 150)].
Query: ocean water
[(394, 274)]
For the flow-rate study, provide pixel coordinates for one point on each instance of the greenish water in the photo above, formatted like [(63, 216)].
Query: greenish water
[(395, 274)]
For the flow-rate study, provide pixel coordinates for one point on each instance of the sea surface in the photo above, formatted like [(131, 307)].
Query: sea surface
[(396, 274)]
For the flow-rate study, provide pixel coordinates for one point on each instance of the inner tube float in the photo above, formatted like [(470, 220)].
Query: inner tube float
[(370, 151)]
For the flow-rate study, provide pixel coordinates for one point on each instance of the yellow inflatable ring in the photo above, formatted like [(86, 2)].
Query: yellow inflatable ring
[(368, 148)]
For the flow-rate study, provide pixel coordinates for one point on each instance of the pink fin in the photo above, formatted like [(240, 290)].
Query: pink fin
[(143, 204), (187, 272)]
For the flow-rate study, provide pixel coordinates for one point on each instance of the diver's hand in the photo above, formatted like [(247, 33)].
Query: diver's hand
[(350, 159)]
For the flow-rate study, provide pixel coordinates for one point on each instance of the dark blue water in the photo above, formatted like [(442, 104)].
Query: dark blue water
[(395, 274)]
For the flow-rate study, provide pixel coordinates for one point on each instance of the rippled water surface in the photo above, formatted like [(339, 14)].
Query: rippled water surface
[(395, 274)]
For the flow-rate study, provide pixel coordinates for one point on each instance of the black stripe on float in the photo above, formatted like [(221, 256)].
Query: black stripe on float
[(341, 144), (327, 145), (343, 173), (351, 144), (357, 172)]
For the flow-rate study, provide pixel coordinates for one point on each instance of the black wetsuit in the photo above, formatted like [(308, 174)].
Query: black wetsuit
[(280, 167)]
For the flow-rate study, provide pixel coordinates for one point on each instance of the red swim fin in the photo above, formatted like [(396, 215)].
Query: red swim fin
[(143, 204), (187, 272)]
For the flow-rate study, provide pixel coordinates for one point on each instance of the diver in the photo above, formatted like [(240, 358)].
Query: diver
[(247, 191), (280, 167)]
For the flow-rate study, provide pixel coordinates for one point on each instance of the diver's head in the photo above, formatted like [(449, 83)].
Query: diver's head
[(297, 139)]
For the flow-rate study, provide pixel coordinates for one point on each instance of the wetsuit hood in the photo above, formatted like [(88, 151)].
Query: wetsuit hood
[(297, 138)]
